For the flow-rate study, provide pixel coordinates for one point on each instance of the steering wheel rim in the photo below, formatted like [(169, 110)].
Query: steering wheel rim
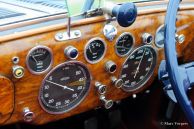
[(177, 75)]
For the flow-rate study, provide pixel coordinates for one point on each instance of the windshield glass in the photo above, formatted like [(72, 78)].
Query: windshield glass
[(12, 11), (100, 3)]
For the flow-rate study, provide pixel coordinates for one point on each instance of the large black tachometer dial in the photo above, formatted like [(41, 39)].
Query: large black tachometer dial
[(39, 59), (95, 50), (138, 68), (64, 87)]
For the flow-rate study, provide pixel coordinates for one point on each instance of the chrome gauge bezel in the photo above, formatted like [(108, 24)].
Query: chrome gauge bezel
[(125, 33), (28, 56), (139, 85), (157, 31), (78, 103), (104, 53)]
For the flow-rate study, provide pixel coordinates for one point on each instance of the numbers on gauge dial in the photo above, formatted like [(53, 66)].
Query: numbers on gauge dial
[(138, 68), (65, 87)]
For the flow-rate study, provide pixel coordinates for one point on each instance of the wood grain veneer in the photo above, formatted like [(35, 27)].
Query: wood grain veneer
[(27, 88), (6, 99)]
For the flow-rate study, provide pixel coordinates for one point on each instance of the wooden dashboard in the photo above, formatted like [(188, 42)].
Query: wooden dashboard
[(17, 94)]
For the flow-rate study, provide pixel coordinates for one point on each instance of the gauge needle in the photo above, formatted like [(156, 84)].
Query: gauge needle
[(64, 87), (34, 59), (137, 70), (90, 49)]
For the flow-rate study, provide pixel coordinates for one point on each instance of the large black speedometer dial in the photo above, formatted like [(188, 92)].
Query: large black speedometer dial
[(124, 44), (64, 87), (95, 50), (39, 59), (138, 68)]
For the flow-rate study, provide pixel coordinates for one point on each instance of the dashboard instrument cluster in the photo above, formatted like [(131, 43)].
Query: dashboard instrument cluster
[(50, 79)]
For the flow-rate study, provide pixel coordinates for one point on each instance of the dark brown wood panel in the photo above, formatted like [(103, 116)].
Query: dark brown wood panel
[(27, 88), (6, 99)]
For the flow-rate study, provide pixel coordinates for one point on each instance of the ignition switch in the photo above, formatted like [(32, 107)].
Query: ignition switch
[(18, 71)]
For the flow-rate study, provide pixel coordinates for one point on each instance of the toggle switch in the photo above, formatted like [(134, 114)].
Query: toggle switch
[(107, 103), (100, 88), (118, 83)]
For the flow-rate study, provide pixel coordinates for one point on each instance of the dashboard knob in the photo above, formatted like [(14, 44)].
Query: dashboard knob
[(110, 32), (110, 66), (71, 52), (28, 116), (125, 13), (18, 71), (147, 38), (100, 88), (117, 82), (107, 103)]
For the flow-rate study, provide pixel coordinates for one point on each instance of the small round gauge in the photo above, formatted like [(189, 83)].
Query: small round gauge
[(159, 39), (95, 50), (138, 68), (39, 59), (124, 44), (64, 87)]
